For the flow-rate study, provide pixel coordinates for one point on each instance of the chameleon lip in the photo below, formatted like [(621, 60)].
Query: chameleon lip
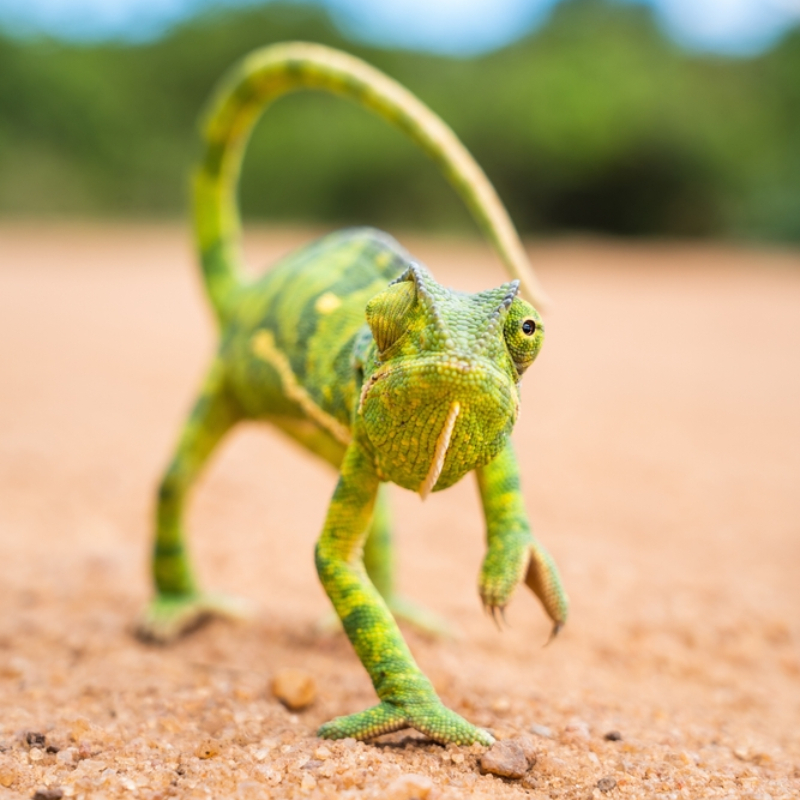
[(439, 455)]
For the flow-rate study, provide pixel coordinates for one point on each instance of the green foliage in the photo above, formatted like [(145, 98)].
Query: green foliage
[(594, 122)]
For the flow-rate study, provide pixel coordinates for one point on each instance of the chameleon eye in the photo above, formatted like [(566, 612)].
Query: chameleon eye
[(387, 313), (523, 332)]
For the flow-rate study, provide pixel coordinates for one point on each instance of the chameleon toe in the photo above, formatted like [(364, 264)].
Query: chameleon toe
[(376, 721)]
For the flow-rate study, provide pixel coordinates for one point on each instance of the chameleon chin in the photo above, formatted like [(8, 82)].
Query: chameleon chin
[(351, 348)]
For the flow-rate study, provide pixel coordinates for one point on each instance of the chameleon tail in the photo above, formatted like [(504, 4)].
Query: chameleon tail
[(270, 72)]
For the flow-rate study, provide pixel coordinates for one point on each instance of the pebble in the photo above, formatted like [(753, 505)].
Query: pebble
[(208, 748), (506, 759), (528, 746), (578, 728), (34, 739), (68, 755), (295, 688), (501, 705), (35, 754), (51, 793), (8, 772), (542, 730), (409, 787), (308, 783), (322, 753), (606, 784), (613, 736)]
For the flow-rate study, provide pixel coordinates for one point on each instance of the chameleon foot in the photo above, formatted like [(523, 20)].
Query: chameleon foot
[(169, 616), (431, 718)]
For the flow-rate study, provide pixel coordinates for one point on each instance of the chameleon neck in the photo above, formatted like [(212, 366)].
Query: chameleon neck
[(268, 73)]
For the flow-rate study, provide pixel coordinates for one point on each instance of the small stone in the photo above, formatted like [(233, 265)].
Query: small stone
[(208, 748), (613, 736), (8, 772), (68, 756), (606, 784), (52, 749), (50, 793), (542, 730), (501, 705), (308, 783), (322, 753), (578, 728), (295, 688), (79, 728), (270, 775), (84, 751), (531, 781), (328, 769), (409, 787), (34, 739), (528, 746), (506, 759), (35, 754), (457, 758)]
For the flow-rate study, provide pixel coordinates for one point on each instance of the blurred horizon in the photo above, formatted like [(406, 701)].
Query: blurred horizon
[(595, 115)]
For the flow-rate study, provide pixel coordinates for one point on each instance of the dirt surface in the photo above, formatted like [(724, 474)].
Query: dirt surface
[(659, 442)]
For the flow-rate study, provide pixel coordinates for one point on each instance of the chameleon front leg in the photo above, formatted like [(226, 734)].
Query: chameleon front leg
[(407, 698), (512, 553), (179, 605)]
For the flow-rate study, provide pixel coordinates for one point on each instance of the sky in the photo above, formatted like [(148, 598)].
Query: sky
[(456, 27)]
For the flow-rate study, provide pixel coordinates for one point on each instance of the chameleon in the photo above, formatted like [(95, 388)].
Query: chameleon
[(351, 348)]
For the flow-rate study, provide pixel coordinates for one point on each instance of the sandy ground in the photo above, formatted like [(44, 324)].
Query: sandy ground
[(660, 448)]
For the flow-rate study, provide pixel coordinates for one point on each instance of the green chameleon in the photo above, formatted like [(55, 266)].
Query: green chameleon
[(352, 349)]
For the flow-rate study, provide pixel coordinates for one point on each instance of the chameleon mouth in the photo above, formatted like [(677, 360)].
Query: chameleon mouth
[(440, 453)]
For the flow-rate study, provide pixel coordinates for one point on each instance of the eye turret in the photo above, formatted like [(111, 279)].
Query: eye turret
[(523, 333), (387, 313)]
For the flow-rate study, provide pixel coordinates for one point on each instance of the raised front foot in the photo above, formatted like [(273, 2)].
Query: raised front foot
[(169, 616), (431, 718)]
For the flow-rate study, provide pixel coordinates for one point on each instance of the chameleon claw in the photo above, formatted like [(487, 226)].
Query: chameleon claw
[(557, 626)]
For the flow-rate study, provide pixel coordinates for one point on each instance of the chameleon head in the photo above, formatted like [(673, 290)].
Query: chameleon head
[(444, 392)]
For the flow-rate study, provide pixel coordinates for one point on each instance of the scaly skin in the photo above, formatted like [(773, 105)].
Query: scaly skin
[(423, 393)]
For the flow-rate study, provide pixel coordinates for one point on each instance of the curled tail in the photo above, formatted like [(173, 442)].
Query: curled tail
[(270, 72)]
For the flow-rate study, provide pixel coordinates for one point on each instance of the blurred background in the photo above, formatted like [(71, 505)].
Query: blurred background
[(638, 117)]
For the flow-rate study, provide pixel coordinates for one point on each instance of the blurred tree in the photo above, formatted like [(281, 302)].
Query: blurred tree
[(595, 122)]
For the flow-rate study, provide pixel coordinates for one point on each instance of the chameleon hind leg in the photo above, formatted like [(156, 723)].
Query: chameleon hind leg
[(407, 698), (379, 563), (179, 605)]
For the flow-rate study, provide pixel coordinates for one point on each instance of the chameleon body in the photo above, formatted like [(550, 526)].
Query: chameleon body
[(351, 348)]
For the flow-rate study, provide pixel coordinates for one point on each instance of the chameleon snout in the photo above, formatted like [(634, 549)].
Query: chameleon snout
[(431, 424)]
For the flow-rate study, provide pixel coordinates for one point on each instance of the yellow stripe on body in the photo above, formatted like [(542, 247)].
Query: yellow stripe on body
[(263, 345)]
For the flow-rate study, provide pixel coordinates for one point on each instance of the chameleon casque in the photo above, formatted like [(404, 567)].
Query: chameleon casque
[(352, 349)]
